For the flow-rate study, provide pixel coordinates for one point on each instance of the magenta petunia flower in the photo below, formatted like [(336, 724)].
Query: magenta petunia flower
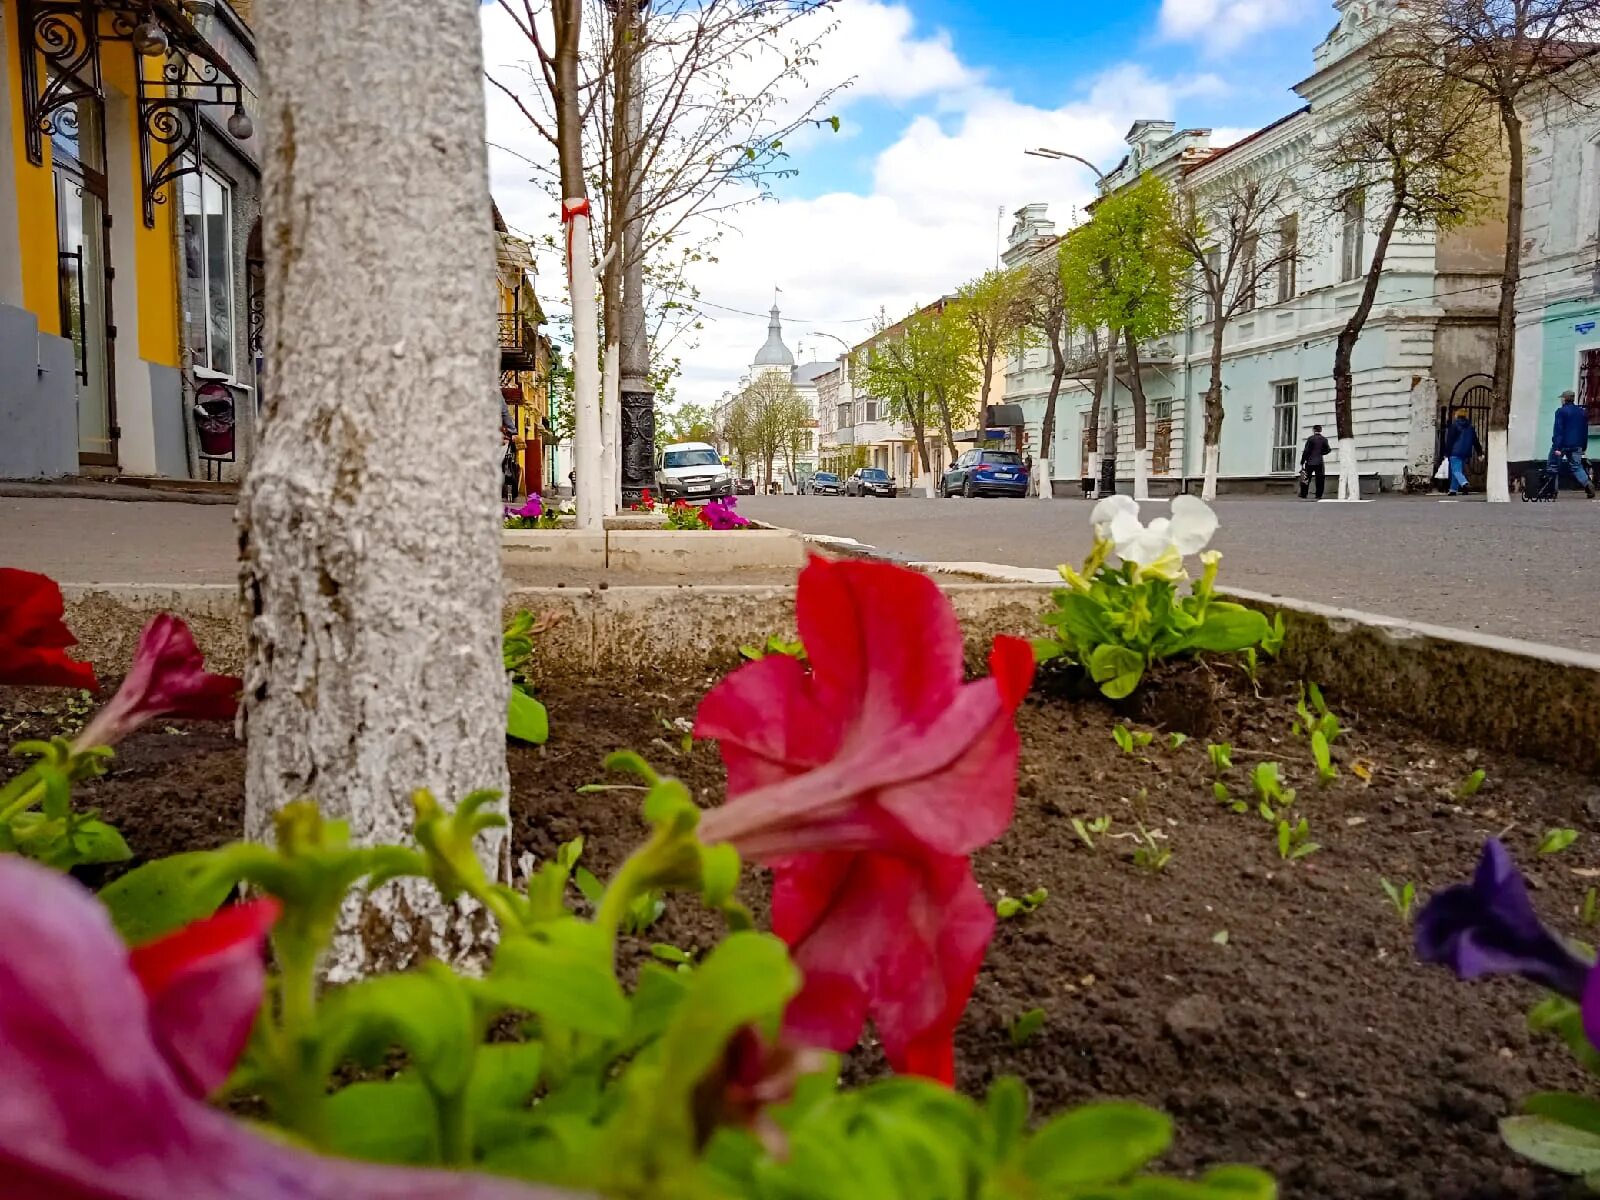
[(98, 1100), (168, 679), (720, 514), (532, 509)]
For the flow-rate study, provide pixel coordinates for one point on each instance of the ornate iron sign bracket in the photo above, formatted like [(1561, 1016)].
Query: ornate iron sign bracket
[(169, 119)]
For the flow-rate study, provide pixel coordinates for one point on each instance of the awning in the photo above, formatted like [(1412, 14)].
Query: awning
[(1006, 416)]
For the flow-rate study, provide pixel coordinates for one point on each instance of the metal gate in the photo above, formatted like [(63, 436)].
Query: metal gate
[(1475, 395)]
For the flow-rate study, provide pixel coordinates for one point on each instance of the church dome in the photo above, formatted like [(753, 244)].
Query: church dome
[(774, 353)]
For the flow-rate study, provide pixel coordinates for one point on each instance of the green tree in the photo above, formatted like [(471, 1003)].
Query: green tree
[(923, 371), (1050, 318), (1084, 283), (766, 419), (995, 308), (1134, 285), (684, 423)]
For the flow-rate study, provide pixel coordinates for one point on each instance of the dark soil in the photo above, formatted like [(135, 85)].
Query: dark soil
[(1274, 1010)]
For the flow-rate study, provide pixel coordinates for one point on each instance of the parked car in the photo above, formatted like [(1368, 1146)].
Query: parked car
[(692, 471), (870, 481), (744, 487), (986, 473), (825, 483)]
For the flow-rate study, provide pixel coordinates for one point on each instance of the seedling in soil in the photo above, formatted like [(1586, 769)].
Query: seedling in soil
[(1274, 798), (1322, 754), (1221, 754), (1151, 854), (1089, 830), (1129, 740), (1591, 907), (1176, 740), (1220, 937), (1018, 906), (1402, 897), (1469, 786), (1294, 841), (1224, 796), (1025, 1026), (1557, 840), (774, 645), (681, 959)]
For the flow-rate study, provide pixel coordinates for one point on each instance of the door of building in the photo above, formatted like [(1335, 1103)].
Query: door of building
[(83, 254)]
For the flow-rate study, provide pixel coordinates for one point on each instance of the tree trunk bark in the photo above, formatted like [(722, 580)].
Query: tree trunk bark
[(1047, 427), (1345, 345), (1214, 415), (944, 421), (1497, 487), (1141, 445), (373, 661)]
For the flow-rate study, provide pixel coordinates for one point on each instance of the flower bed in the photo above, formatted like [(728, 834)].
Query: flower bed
[(1311, 1042)]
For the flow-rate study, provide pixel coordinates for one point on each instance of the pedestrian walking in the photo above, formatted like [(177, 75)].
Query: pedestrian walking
[(1312, 459), (1461, 444), (1569, 442)]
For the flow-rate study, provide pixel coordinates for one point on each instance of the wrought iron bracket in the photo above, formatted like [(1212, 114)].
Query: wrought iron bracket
[(169, 120)]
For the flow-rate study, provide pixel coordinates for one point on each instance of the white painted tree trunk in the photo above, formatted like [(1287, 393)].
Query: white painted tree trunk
[(1213, 459), (581, 287), (368, 530), (1141, 474), (1349, 469), (610, 427), (1094, 469), (1497, 486), (1041, 469)]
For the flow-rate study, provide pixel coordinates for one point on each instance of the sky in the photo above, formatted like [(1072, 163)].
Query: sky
[(900, 206)]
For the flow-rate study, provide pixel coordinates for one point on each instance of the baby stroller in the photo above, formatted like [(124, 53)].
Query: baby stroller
[(1541, 485)]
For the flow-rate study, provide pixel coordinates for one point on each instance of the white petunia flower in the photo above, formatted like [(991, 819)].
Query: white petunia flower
[(1108, 510), (1159, 547)]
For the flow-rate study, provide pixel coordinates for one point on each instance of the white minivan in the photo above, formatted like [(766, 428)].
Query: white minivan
[(692, 471)]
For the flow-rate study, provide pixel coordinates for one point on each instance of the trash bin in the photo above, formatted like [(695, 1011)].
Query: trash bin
[(1108, 476), (215, 421)]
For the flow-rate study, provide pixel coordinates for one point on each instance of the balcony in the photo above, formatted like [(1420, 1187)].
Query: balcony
[(519, 343)]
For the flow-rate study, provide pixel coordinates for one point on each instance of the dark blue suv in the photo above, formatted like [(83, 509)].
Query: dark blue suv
[(986, 473)]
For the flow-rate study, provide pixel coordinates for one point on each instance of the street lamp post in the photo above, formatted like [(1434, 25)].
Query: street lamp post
[(1108, 471)]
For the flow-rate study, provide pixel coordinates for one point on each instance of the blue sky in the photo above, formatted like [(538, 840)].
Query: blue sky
[(901, 206)]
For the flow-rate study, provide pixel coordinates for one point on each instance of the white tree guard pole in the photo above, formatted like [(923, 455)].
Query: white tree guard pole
[(1497, 487), (368, 526), (581, 286), (1213, 459), (1349, 469)]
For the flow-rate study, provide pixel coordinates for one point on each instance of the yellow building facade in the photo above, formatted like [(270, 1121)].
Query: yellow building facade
[(130, 273), (525, 359)]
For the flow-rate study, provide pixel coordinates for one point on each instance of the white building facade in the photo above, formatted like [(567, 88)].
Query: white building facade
[(1427, 344)]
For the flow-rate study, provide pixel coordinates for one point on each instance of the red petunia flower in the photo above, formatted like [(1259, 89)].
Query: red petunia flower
[(33, 638), (865, 784), (93, 1106), (168, 679)]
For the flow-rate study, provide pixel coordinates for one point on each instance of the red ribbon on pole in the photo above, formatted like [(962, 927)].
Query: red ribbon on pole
[(570, 210)]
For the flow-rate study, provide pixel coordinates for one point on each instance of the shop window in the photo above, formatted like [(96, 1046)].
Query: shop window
[(208, 271), (1285, 427)]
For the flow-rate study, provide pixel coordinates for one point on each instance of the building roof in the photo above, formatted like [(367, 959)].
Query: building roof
[(812, 371), (774, 353)]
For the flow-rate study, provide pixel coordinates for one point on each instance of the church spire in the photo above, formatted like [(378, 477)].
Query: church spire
[(774, 353)]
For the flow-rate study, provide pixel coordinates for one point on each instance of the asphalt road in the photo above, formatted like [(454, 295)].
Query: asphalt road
[(1519, 570)]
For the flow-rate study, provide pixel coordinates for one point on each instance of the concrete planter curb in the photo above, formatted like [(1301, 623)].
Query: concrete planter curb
[(1496, 694), (642, 546)]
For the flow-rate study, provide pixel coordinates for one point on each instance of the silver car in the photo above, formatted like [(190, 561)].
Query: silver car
[(692, 471)]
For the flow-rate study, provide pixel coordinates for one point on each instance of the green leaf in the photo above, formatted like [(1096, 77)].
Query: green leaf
[(94, 841), (1025, 1026), (1323, 756), (1284, 834), (1228, 628), (1469, 786), (593, 890), (1221, 756), (1557, 840), (1553, 1143), (719, 874), (526, 718), (671, 954), (1220, 937), (1007, 907), (428, 1012), (1006, 1105), (505, 1075), (1117, 670), (1580, 1112), (1177, 739), (1239, 1183), (1095, 1144), (165, 895), (1046, 649), (1221, 792), (562, 974), (655, 999), (1123, 738), (389, 1122)]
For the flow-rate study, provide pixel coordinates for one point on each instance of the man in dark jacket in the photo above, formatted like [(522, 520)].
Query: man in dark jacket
[(1460, 444), (1570, 440), (1311, 463)]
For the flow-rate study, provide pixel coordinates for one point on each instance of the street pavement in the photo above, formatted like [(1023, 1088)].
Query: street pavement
[(1519, 570)]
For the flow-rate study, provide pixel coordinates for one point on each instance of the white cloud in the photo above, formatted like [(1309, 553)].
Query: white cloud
[(924, 224), (1221, 25)]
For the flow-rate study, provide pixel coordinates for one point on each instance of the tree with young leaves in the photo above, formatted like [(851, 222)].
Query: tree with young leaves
[(1235, 237), (1049, 317), (995, 308), (1085, 280), (766, 419), (1506, 51), (685, 423), (916, 369), (1133, 285), (1407, 152)]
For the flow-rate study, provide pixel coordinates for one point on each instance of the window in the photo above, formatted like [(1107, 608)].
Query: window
[(691, 458), (875, 475), (1161, 446), (1247, 273), (208, 271), (845, 420), (1589, 385), (1002, 458), (1352, 244), (1214, 265), (1285, 426), (871, 407), (1288, 257)]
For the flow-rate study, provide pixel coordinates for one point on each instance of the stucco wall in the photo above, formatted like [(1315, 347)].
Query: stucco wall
[(38, 403)]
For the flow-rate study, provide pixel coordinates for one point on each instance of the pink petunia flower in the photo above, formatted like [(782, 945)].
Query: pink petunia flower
[(865, 783), (168, 679), (98, 1101), (33, 637)]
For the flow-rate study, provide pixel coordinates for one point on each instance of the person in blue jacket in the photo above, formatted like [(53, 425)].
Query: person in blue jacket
[(1570, 440), (1460, 444)]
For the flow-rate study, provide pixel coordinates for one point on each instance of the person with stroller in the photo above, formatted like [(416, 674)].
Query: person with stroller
[(1568, 443), (1461, 444)]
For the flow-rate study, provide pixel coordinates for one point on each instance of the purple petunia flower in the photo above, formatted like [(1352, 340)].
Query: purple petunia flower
[(719, 514), (1489, 927), (531, 510)]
